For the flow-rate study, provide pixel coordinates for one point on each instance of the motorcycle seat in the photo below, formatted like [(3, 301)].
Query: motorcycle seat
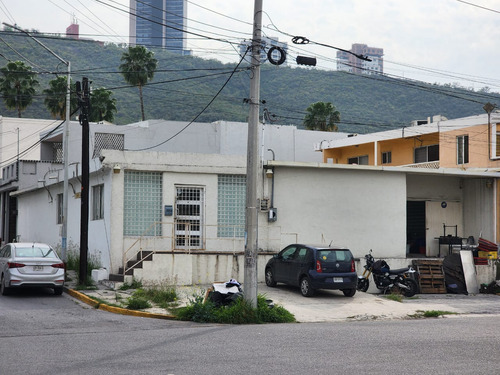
[(398, 271)]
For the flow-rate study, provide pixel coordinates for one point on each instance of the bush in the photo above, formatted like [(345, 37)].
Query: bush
[(138, 303), (240, 312)]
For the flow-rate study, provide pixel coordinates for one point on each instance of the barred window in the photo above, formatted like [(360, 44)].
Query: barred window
[(57, 151), (142, 203), (108, 141), (231, 205)]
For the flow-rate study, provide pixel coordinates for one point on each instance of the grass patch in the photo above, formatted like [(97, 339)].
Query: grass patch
[(240, 312), (161, 295), (431, 314)]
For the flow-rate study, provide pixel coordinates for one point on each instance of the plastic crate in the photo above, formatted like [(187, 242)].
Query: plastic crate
[(487, 254)]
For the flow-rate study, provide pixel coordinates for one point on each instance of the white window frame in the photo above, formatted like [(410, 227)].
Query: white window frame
[(462, 149), (98, 202)]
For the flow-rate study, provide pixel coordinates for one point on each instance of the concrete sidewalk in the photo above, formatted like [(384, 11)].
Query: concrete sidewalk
[(325, 306)]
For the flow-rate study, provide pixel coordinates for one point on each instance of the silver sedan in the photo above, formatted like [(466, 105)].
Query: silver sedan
[(27, 264)]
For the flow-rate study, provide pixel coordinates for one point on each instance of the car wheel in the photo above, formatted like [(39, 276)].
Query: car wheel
[(305, 287), (270, 278), (3, 289), (58, 290), (349, 292)]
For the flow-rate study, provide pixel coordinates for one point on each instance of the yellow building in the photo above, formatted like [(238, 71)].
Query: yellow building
[(470, 142)]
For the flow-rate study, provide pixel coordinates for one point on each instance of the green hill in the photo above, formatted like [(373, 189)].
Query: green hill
[(184, 85)]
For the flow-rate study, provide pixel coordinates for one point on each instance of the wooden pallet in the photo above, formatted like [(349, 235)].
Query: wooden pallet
[(431, 276)]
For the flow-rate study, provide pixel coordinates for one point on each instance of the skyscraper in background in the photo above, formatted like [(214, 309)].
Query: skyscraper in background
[(159, 23)]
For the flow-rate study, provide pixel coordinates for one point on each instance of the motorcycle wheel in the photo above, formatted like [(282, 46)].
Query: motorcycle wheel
[(412, 288), (363, 284)]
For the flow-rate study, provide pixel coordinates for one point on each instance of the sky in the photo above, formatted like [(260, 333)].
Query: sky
[(436, 41)]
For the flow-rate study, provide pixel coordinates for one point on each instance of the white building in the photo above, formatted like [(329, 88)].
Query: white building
[(163, 214)]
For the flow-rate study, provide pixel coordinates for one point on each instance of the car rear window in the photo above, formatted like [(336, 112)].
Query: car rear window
[(38, 252), (334, 255)]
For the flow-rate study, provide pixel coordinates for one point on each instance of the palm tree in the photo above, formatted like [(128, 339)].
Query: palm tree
[(322, 116), (138, 68), (102, 105), (17, 85), (55, 97)]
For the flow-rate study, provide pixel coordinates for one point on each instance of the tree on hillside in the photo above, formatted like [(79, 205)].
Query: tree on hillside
[(138, 68), (322, 116), (17, 85), (102, 105), (55, 97)]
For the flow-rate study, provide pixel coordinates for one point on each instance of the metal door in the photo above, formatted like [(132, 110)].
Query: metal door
[(189, 209)]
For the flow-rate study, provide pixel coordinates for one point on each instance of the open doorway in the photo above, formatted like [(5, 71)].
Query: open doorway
[(415, 228)]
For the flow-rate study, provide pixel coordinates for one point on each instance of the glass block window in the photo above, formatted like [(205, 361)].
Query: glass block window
[(231, 205), (142, 203), (108, 141)]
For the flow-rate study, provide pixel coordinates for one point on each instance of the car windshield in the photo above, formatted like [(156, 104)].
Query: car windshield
[(330, 255), (36, 252)]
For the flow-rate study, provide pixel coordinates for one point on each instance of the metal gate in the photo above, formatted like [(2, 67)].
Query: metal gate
[(189, 207)]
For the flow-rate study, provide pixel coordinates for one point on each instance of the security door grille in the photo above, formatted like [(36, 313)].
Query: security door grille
[(189, 205)]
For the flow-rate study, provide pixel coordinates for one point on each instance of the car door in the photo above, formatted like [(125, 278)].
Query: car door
[(299, 264), (4, 256), (283, 264)]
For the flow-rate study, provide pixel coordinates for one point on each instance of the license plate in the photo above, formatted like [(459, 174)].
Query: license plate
[(338, 279), (37, 268)]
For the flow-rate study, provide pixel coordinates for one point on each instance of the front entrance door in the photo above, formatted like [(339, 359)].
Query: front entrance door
[(189, 208)]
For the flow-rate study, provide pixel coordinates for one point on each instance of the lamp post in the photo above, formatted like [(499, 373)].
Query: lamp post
[(64, 231)]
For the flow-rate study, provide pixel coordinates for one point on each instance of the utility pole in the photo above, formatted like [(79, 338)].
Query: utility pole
[(83, 92), (253, 164)]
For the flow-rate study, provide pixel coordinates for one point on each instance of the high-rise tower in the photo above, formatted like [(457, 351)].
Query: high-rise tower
[(159, 23)]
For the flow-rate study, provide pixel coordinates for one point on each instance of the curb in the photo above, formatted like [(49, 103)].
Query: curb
[(112, 309)]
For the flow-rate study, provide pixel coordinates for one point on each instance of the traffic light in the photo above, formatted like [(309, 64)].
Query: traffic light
[(303, 60)]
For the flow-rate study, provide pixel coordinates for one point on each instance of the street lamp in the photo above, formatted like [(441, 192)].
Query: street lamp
[(64, 232)]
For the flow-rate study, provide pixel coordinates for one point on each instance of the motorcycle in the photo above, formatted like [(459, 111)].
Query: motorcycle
[(387, 280)]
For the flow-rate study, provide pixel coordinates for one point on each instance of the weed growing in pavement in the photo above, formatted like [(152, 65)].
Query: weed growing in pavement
[(431, 314), (87, 285), (394, 297), (239, 312), (73, 258), (138, 303), (136, 284)]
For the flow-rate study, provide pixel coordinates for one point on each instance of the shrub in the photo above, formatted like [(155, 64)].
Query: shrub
[(239, 312), (138, 303)]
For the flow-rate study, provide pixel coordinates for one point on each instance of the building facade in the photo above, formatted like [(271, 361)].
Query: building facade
[(465, 143), (347, 62), (159, 23)]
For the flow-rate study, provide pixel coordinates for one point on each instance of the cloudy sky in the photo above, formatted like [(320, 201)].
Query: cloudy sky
[(445, 41)]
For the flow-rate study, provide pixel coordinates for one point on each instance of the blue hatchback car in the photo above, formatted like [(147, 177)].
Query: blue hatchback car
[(313, 267)]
